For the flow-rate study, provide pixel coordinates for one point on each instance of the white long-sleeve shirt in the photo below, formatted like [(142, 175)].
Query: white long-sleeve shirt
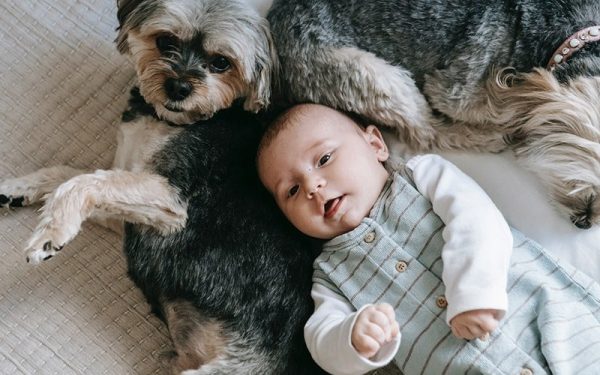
[(476, 254)]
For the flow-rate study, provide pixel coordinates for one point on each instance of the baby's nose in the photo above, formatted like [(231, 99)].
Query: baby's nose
[(311, 193), (313, 184)]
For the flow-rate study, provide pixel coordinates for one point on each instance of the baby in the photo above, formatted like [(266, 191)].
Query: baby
[(380, 272)]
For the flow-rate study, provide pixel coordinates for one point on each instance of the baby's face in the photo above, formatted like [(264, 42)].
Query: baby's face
[(324, 171)]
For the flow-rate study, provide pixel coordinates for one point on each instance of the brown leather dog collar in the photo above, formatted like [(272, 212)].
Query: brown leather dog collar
[(573, 44)]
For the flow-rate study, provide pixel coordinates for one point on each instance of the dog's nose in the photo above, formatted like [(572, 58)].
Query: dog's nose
[(177, 89)]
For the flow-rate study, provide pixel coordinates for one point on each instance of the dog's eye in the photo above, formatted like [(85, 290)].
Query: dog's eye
[(219, 64), (166, 43)]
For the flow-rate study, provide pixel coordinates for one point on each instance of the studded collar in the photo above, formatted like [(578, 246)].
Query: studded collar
[(573, 44)]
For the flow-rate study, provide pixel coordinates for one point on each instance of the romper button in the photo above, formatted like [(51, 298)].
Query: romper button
[(370, 237), (525, 371), (401, 266), (441, 302)]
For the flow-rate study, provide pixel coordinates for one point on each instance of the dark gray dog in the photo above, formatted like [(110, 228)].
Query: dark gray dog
[(431, 70)]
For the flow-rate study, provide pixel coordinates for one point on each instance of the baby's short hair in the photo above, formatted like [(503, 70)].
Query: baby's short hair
[(287, 118), (280, 123)]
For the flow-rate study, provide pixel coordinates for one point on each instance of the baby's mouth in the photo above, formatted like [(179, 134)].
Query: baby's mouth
[(331, 206)]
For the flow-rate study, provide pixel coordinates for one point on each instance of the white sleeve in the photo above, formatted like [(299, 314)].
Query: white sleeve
[(328, 336), (478, 241)]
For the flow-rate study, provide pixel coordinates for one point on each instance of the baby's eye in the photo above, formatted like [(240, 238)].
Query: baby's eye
[(324, 159), (293, 191)]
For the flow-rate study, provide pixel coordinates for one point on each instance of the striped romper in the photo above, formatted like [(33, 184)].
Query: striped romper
[(553, 321)]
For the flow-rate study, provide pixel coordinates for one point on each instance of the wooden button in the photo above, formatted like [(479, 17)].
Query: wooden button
[(370, 237), (401, 266), (441, 302)]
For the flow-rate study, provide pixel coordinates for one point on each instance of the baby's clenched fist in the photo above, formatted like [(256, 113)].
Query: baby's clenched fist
[(475, 324), (375, 326)]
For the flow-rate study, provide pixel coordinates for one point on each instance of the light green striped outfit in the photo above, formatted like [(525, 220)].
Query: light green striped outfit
[(553, 321)]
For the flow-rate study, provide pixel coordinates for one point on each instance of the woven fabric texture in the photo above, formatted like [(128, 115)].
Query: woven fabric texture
[(63, 86)]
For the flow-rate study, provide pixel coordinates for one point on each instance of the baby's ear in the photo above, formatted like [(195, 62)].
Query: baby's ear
[(375, 139)]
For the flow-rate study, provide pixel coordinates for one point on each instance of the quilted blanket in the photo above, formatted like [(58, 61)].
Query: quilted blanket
[(63, 86)]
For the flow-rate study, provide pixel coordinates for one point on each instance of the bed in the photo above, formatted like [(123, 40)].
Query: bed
[(63, 86)]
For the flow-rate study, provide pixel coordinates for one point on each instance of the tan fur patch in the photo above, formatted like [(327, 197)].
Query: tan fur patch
[(556, 128), (197, 340)]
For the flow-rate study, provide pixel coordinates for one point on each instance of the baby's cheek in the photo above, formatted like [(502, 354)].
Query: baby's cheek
[(352, 220), (308, 225)]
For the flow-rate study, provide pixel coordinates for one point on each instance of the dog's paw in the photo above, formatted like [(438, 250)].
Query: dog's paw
[(12, 201), (584, 216), (43, 245), (16, 193), (47, 251), (582, 205)]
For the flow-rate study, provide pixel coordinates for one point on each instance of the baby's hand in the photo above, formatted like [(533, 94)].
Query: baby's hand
[(374, 326), (474, 324)]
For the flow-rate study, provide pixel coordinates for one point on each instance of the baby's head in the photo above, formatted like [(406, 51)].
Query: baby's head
[(324, 170)]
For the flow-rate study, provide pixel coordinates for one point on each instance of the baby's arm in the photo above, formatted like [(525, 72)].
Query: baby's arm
[(329, 334), (477, 249)]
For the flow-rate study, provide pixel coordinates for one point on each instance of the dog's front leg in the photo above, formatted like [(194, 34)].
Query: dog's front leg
[(116, 194), (357, 81), (32, 188)]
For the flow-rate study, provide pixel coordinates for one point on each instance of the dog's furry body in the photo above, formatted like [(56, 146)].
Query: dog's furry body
[(235, 280), (210, 250), (428, 69)]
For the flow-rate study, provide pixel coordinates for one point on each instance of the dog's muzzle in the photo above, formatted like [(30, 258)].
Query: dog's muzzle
[(177, 89)]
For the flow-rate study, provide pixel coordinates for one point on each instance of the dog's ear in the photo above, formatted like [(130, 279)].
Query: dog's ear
[(264, 80), (125, 7)]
